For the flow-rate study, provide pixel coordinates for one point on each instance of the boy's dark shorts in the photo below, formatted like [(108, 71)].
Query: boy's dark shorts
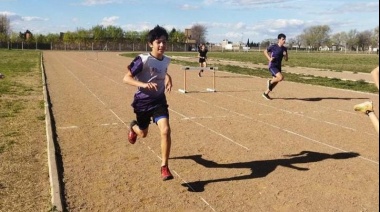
[(144, 118), (274, 71)]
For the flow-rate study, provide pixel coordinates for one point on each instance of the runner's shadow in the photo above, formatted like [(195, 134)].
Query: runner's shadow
[(261, 168), (315, 99)]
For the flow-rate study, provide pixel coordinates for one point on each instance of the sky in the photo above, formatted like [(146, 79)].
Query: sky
[(233, 20)]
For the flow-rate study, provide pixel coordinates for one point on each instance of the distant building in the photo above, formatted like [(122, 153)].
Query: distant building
[(189, 40), (229, 45)]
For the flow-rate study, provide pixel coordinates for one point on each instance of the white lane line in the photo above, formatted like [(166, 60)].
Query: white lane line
[(179, 176), (69, 127), (118, 117), (280, 128), (189, 186), (215, 132)]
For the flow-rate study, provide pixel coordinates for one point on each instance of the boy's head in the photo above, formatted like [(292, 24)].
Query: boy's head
[(156, 33), (281, 36)]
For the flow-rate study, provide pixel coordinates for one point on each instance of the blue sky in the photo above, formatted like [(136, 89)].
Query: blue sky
[(235, 20)]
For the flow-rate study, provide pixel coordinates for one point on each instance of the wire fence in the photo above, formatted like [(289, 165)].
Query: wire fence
[(93, 46)]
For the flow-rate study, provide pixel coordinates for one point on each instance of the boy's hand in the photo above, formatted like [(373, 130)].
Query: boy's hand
[(151, 86)]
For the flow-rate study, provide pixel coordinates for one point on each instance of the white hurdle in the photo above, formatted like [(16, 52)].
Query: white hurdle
[(189, 68)]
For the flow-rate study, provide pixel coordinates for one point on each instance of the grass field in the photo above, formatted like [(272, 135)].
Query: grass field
[(24, 180), (326, 61)]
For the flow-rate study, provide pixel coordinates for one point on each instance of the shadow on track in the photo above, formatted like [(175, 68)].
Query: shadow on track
[(261, 168)]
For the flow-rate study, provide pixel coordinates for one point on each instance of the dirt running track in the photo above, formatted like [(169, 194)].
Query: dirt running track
[(306, 150)]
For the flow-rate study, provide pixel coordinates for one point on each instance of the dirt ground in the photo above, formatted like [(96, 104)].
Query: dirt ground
[(306, 150)]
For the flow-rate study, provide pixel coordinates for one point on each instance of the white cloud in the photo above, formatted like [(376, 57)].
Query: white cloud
[(108, 21), (100, 2), (188, 7), (32, 18)]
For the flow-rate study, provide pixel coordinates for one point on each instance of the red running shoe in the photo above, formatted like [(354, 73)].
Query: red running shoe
[(132, 136), (165, 173)]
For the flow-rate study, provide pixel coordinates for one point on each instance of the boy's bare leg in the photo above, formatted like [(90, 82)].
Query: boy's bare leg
[(274, 81), (140, 133), (163, 125)]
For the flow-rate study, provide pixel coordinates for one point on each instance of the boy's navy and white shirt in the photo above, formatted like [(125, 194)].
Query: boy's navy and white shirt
[(146, 68)]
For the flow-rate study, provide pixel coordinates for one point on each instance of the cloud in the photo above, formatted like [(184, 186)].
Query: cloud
[(100, 2), (243, 3), (188, 7), (33, 18), (13, 17), (108, 21)]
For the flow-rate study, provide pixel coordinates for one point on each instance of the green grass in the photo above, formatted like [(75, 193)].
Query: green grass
[(323, 61), (14, 64)]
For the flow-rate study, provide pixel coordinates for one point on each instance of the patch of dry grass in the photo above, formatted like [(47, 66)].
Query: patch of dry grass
[(24, 176)]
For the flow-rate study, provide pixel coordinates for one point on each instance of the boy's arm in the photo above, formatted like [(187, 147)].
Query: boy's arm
[(128, 79), (267, 55), (168, 83), (286, 56)]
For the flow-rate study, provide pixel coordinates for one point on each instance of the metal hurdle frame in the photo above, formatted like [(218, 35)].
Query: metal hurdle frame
[(186, 68)]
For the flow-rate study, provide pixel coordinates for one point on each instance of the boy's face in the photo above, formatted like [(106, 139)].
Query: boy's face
[(158, 46), (281, 41)]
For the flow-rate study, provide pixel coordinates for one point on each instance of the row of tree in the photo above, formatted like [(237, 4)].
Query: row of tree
[(313, 37), (317, 37)]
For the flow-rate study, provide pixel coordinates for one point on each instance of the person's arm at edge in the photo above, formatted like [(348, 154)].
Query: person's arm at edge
[(375, 76)]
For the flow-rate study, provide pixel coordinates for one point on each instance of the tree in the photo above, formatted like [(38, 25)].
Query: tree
[(364, 40), (339, 39), (98, 33), (352, 39), (375, 37), (316, 36), (132, 36), (52, 37), (5, 29), (198, 33), (176, 36), (114, 33)]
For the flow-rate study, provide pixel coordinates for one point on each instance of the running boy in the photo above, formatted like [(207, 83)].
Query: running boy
[(148, 72), (202, 55), (274, 54)]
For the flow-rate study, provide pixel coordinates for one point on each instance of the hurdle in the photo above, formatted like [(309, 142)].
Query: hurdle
[(189, 68)]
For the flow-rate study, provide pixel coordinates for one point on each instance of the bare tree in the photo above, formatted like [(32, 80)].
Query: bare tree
[(198, 33), (352, 39), (375, 37), (364, 40), (339, 39)]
